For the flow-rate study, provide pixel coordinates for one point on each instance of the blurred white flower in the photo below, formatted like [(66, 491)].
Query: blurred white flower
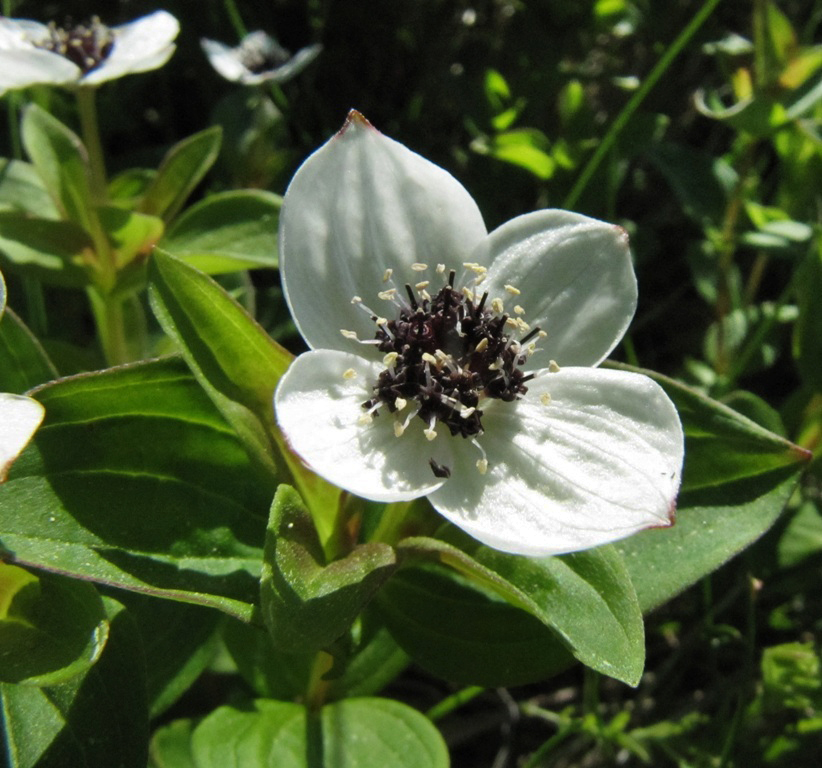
[(447, 387), (259, 58), (32, 53)]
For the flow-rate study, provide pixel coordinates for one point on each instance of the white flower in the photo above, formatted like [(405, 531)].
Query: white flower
[(259, 58), (447, 386), (20, 417), (88, 54)]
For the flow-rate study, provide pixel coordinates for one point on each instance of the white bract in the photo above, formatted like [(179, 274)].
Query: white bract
[(259, 58), (460, 365), (89, 54)]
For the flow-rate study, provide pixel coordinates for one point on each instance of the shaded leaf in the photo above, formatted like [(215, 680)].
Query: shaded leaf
[(21, 189), (23, 362)]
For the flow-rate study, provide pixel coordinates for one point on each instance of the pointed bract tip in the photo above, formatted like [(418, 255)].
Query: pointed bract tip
[(622, 233), (354, 119)]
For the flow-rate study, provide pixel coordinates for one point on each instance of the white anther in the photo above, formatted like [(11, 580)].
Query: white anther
[(381, 321), (350, 374), (482, 466), (429, 433), (512, 290), (545, 398), (440, 269), (419, 266), (365, 419), (356, 300), (424, 295), (349, 334), (388, 295), (497, 306), (399, 428), (466, 412), (390, 359), (386, 276), (400, 403), (553, 367), (542, 334), (424, 284)]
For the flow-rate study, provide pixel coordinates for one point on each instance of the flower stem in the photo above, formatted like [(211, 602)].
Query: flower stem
[(236, 19), (109, 319), (87, 110), (628, 110)]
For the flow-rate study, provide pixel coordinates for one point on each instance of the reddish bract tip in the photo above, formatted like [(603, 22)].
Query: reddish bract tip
[(354, 119)]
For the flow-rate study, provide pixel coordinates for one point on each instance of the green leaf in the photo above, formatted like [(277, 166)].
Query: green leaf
[(736, 481), (375, 660), (126, 189), (96, 719), (23, 361), (22, 190), (131, 234), (171, 746), (62, 162), (237, 364), (525, 147), (586, 598), (355, 733), (179, 642), (136, 481), (51, 628), (306, 603), (183, 167), (464, 633), (232, 357), (56, 252), (227, 232)]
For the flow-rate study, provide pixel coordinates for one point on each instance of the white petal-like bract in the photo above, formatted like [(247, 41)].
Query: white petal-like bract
[(19, 418)]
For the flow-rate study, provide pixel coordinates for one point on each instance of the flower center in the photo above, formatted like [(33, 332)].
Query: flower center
[(446, 354), (260, 53), (86, 45)]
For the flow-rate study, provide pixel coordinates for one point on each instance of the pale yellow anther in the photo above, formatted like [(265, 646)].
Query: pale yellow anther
[(429, 358), (519, 310), (466, 412), (469, 264), (422, 285), (553, 367), (468, 293), (386, 276), (532, 348), (512, 290), (430, 434), (365, 419), (349, 334), (356, 300), (511, 322), (483, 345), (418, 266), (424, 295), (388, 295), (522, 325), (400, 403), (545, 398), (497, 306), (399, 428), (381, 321), (390, 359), (542, 334), (482, 466), (494, 366), (480, 279), (350, 374)]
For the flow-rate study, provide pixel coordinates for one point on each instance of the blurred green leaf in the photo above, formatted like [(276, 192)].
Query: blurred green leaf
[(136, 481), (130, 234), (524, 147), (737, 478), (807, 337), (462, 632), (791, 678), (21, 189), (227, 232), (61, 161), (23, 361), (51, 628), (170, 746), (586, 598), (361, 732), (183, 167), (96, 719), (802, 537), (126, 189), (308, 603), (56, 252)]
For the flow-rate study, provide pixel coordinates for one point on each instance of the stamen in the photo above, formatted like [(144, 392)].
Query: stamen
[(512, 290), (553, 367), (421, 286), (519, 310), (482, 463), (440, 269), (387, 275), (390, 359), (497, 306), (387, 295), (419, 266), (349, 334), (545, 398), (400, 403), (350, 374)]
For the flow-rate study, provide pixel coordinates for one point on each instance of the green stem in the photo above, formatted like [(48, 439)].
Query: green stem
[(109, 319), (87, 110), (317, 690), (235, 18), (452, 702), (639, 96)]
